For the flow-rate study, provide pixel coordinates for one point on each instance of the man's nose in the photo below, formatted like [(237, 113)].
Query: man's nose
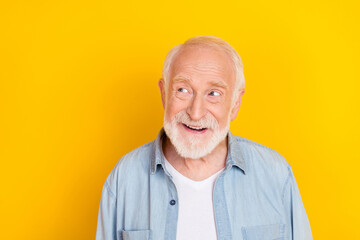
[(197, 108)]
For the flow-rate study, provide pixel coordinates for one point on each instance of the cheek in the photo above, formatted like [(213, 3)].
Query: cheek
[(175, 104), (174, 107), (221, 115)]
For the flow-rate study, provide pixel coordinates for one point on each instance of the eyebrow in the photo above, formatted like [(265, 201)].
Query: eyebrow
[(181, 79), (220, 84)]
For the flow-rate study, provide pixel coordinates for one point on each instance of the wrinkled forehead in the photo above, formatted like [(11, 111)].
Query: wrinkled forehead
[(204, 59)]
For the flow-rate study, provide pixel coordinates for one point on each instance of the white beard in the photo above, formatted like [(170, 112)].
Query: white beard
[(195, 147)]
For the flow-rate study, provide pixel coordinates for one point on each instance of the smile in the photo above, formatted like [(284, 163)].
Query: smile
[(194, 129)]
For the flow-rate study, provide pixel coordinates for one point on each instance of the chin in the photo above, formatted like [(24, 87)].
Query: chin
[(194, 145)]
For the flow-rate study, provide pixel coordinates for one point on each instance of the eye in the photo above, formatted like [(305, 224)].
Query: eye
[(214, 93), (184, 90)]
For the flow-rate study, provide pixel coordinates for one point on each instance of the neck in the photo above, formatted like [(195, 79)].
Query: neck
[(196, 169)]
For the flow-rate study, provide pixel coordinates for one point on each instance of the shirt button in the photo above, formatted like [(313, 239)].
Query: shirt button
[(172, 202)]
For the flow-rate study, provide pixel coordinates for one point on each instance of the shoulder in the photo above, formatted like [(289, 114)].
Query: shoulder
[(260, 152), (136, 159), (262, 160), (132, 167)]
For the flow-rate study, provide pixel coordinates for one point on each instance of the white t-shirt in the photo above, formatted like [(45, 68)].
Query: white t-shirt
[(196, 210)]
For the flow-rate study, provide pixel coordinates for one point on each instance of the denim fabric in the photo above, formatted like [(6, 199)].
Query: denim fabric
[(255, 198)]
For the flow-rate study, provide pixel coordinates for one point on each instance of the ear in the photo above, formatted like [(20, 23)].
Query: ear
[(162, 91), (237, 104)]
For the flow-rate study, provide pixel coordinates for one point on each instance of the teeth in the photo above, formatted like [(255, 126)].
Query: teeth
[(196, 128)]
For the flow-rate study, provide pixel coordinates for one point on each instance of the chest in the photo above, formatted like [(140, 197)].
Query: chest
[(237, 207)]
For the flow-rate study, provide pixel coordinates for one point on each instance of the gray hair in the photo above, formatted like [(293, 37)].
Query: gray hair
[(208, 41)]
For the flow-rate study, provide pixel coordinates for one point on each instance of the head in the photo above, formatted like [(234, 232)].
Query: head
[(201, 92)]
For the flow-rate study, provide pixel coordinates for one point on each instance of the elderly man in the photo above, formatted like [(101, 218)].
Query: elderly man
[(197, 180)]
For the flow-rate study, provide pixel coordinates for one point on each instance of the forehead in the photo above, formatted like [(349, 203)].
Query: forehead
[(200, 61)]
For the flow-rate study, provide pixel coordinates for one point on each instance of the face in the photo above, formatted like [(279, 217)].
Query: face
[(199, 100)]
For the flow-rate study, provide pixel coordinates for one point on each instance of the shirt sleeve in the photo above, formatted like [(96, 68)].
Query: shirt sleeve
[(297, 221), (106, 225)]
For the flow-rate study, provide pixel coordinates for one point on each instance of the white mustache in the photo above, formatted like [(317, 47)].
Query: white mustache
[(208, 121)]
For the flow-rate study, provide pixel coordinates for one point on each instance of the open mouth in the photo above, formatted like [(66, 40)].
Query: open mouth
[(194, 128)]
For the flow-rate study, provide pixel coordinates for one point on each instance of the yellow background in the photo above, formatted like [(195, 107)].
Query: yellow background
[(79, 90)]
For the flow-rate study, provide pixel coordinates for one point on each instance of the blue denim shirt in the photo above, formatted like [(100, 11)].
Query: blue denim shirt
[(255, 197)]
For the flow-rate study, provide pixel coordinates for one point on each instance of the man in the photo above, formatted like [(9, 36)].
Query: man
[(197, 180)]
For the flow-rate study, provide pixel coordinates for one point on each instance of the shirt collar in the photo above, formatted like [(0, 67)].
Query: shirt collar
[(235, 156)]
